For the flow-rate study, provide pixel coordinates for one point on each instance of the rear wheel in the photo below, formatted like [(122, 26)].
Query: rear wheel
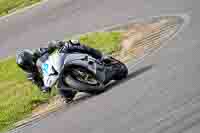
[(119, 69)]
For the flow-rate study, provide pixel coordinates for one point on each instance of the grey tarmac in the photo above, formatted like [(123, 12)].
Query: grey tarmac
[(162, 92)]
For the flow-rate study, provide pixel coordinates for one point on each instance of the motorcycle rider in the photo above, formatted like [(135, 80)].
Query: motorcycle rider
[(27, 60)]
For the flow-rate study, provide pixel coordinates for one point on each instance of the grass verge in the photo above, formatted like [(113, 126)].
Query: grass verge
[(18, 97), (8, 6)]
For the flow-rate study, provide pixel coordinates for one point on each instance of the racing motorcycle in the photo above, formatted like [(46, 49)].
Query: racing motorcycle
[(80, 71)]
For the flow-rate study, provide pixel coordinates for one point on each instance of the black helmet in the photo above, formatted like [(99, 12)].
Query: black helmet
[(25, 60)]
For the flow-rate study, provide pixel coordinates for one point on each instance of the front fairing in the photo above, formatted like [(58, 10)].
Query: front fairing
[(55, 63), (88, 62), (51, 68)]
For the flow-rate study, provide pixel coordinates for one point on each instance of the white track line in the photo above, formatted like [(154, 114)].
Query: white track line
[(23, 9)]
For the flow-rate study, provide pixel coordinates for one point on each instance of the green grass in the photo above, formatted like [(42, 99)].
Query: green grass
[(18, 96), (107, 42), (8, 6)]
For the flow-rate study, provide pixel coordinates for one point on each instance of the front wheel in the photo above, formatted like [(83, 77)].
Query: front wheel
[(81, 79)]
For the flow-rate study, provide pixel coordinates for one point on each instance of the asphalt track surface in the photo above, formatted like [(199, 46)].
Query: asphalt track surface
[(162, 92)]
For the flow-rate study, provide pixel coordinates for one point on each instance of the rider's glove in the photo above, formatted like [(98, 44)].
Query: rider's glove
[(74, 42)]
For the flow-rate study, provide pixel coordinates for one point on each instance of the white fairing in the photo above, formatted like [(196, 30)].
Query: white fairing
[(51, 68), (55, 61)]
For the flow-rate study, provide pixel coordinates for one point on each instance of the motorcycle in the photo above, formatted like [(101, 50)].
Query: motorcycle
[(80, 71)]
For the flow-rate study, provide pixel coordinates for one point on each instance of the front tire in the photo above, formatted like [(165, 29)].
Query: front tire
[(69, 79)]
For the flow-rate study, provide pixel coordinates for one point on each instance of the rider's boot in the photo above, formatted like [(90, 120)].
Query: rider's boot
[(67, 95)]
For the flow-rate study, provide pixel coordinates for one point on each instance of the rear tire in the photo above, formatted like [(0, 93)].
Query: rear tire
[(120, 70)]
